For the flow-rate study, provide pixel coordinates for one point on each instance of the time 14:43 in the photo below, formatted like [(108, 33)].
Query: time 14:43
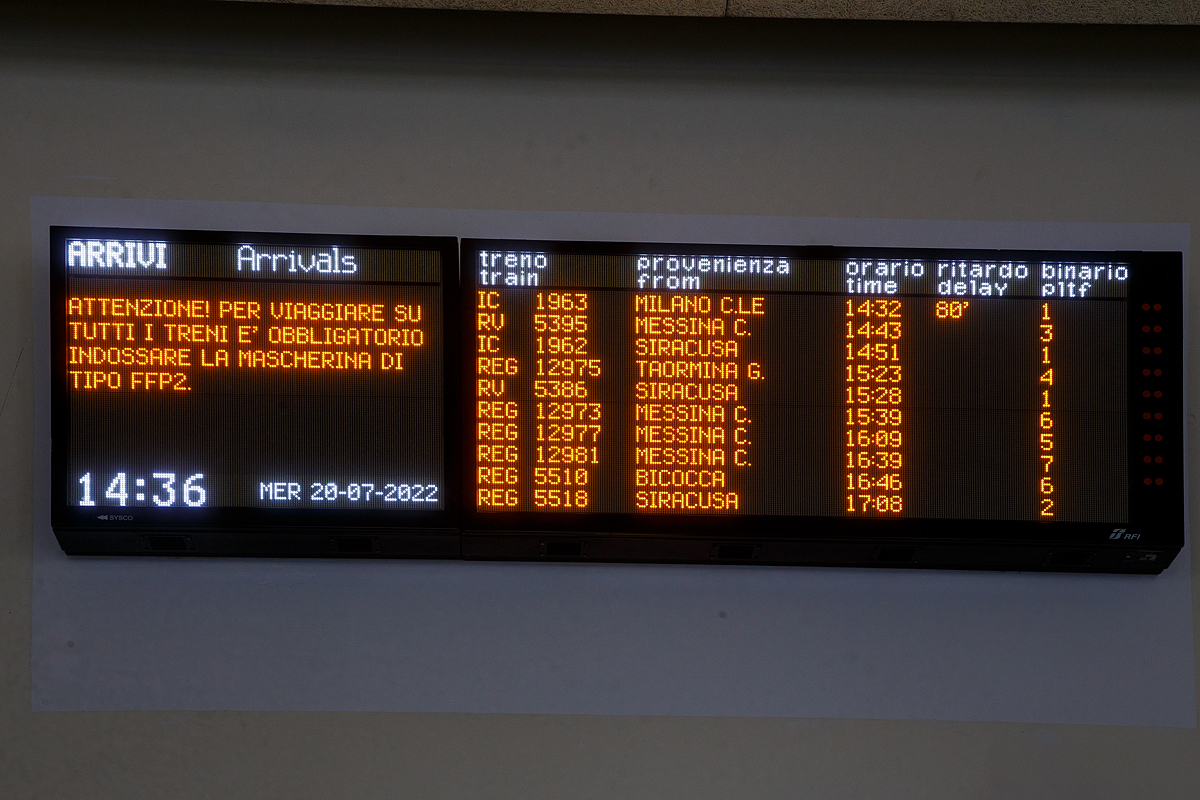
[(164, 490)]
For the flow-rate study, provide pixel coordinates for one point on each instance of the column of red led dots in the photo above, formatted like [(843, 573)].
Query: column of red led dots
[(1152, 393), (874, 394)]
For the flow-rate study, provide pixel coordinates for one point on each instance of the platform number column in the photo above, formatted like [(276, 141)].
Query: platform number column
[(1045, 430)]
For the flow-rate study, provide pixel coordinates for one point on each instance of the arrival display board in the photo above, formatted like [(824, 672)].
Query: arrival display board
[(242, 382), (309, 394), (761, 394)]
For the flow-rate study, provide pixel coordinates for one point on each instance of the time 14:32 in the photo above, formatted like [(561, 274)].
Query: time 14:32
[(162, 489)]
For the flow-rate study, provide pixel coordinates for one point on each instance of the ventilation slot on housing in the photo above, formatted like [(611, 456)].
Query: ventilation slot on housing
[(564, 549), (735, 552), (355, 544), (896, 555), (168, 544)]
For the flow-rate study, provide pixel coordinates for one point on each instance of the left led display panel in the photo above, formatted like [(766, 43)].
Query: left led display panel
[(253, 393)]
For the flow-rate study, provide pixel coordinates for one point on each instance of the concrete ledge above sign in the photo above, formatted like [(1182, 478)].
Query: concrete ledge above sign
[(1103, 12)]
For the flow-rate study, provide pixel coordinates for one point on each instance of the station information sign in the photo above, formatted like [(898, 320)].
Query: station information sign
[(263, 393)]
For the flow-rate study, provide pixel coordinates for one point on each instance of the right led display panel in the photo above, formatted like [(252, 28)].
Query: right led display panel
[(641, 401)]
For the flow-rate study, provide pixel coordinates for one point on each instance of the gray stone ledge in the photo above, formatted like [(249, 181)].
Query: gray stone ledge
[(1112, 12)]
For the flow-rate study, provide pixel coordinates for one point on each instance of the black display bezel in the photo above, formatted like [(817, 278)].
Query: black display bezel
[(81, 530), (1156, 512)]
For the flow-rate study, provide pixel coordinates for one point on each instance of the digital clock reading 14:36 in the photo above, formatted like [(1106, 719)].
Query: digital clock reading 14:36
[(163, 490)]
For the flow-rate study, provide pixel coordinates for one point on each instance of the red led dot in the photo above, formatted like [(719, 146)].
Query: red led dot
[(1157, 307), (1146, 350), (1158, 394), (1158, 351), (1146, 393), (1145, 306), (1158, 372), (1146, 481), (1145, 329), (1158, 459), (1145, 372), (1158, 415), (1158, 328), (1146, 415), (1145, 437), (1158, 481), (1146, 459), (1158, 437)]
